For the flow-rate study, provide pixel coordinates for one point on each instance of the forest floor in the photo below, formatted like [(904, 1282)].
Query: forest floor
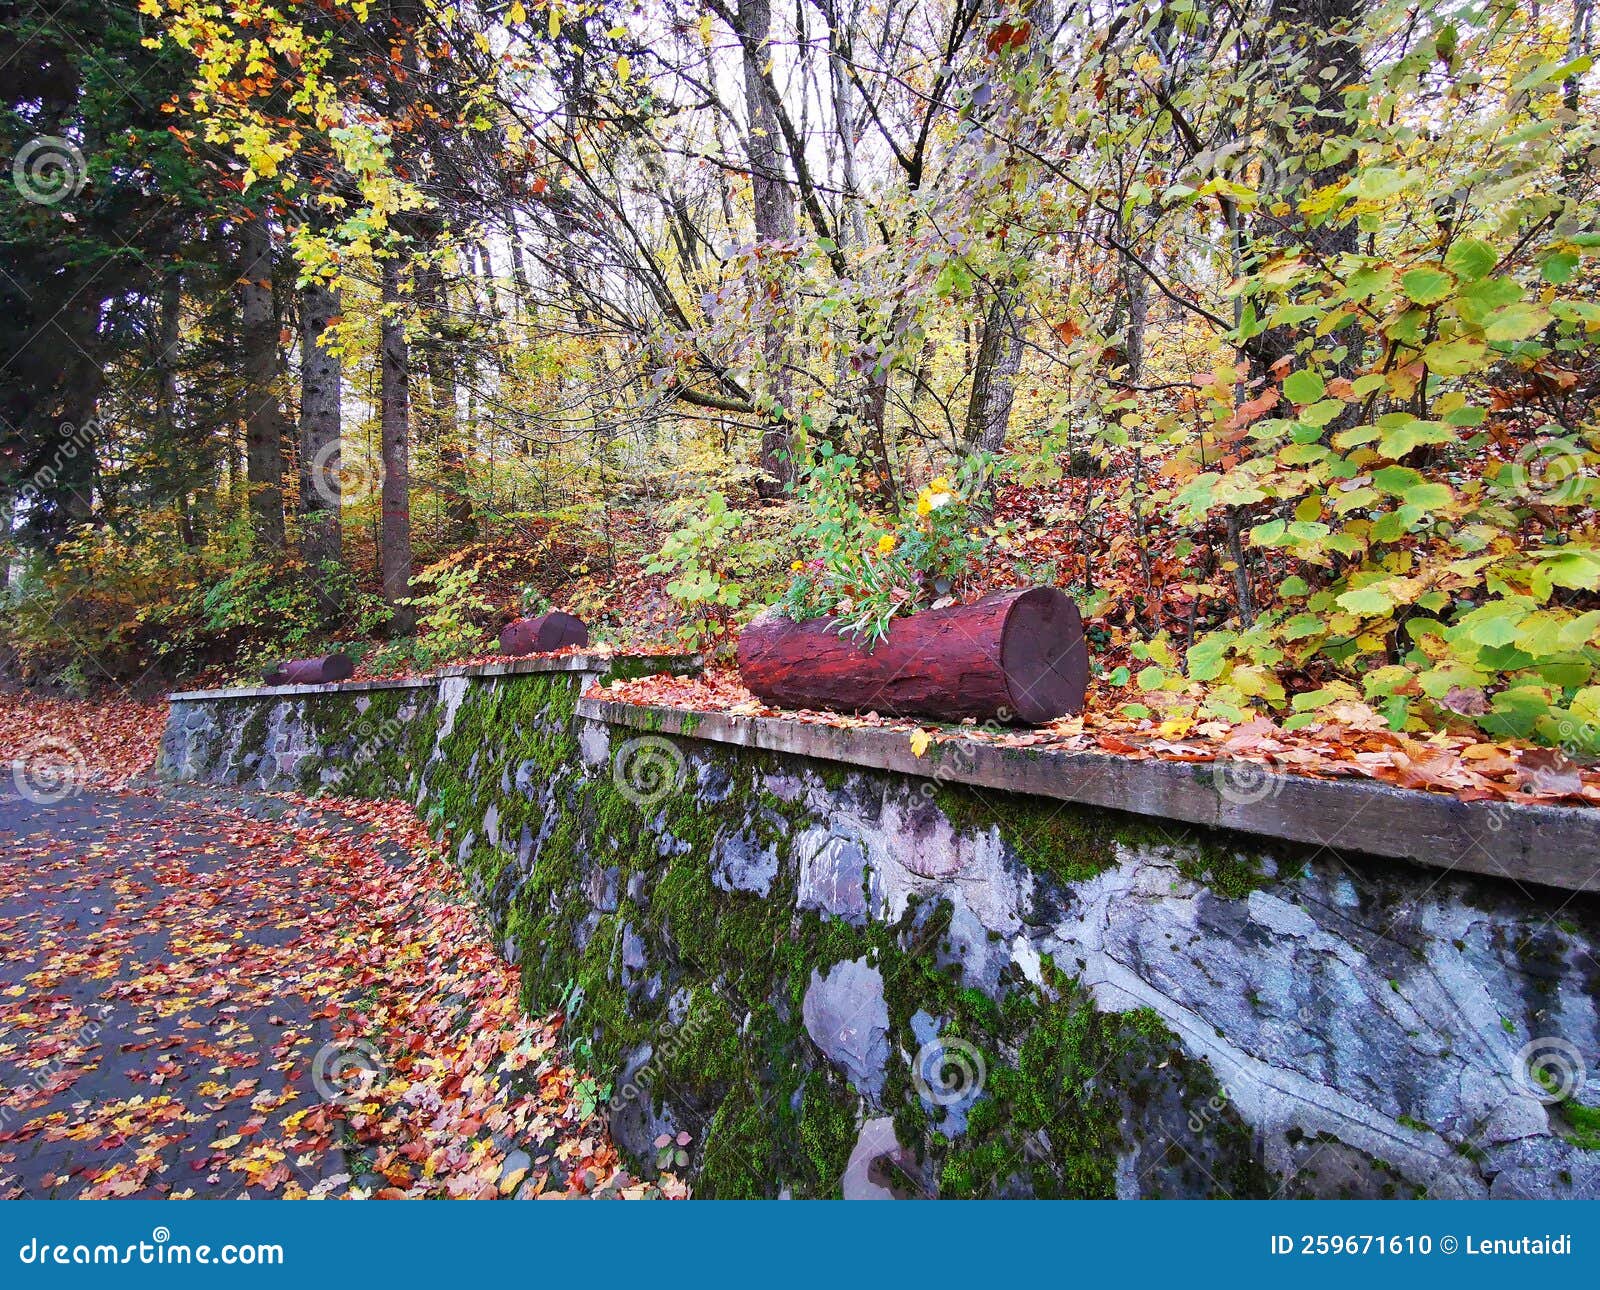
[(210, 993)]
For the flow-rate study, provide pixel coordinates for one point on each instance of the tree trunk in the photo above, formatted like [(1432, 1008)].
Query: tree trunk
[(1333, 65), (444, 428), (774, 219), (394, 398), (1013, 656), (171, 307), (321, 533), (265, 423), (844, 117), (994, 376)]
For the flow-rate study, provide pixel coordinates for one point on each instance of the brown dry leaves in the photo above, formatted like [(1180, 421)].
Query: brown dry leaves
[(205, 957), (113, 739), (1352, 740)]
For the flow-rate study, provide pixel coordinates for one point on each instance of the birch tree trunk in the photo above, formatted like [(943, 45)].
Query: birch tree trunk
[(775, 222), (321, 530), (265, 424), (394, 399)]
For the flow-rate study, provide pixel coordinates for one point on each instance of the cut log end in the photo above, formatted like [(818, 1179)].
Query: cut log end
[(540, 635), (1043, 656)]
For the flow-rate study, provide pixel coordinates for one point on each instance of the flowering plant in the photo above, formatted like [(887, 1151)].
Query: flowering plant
[(869, 570)]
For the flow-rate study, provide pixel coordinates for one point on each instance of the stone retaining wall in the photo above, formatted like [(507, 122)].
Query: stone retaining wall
[(841, 976)]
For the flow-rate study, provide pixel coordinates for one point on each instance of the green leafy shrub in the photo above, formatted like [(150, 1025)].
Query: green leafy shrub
[(719, 565), (864, 571)]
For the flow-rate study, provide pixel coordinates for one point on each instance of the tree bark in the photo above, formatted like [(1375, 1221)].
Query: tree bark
[(394, 398), (994, 376), (775, 223), (171, 307), (1013, 656), (444, 428), (321, 529), (265, 423)]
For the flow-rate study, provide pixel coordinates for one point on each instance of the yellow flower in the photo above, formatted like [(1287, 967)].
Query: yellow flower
[(797, 566), (886, 544), (940, 485), (923, 506)]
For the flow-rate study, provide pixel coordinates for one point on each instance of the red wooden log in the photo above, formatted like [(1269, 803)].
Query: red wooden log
[(1016, 656), (322, 670), (554, 630)]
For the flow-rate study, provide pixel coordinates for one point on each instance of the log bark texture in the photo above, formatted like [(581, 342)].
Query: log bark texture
[(1015, 656), (311, 671), (554, 630)]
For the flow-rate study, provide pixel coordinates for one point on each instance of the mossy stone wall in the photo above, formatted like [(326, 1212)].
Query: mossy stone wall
[(842, 981)]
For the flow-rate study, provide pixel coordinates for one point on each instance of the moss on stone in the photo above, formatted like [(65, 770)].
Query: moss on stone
[(1225, 872), (253, 736), (1070, 842), (719, 1005), (1050, 1115), (1585, 1124)]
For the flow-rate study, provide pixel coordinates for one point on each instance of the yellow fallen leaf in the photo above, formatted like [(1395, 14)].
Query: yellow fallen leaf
[(920, 739)]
